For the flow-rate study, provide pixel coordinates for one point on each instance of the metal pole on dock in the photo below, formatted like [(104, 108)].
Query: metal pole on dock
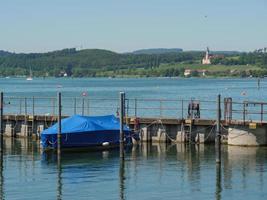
[(1, 120), (33, 113), (59, 125), (218, 131), (122, 112)]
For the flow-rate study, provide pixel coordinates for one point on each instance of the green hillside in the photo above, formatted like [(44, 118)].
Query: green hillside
[(97, 62)]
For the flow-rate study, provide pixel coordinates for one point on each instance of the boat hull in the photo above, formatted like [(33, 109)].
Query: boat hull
[(97, 139)]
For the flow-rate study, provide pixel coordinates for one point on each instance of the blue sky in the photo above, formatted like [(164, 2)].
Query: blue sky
[(126, 25)]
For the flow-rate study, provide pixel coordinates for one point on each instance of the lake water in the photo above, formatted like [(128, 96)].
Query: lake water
[(149, 171), (101, 95)]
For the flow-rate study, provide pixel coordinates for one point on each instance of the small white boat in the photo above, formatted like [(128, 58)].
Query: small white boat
[(29, 78)]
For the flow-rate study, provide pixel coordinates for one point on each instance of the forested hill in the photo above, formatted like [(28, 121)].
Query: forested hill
[(97, 62), (157, 51), (84, 62)]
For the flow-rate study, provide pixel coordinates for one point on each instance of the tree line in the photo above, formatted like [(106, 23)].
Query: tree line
[(96, 62)]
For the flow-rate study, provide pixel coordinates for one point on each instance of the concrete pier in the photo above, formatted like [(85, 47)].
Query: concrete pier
[(157, 130)]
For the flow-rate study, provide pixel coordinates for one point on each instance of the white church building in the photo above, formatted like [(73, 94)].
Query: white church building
[(206, 59)]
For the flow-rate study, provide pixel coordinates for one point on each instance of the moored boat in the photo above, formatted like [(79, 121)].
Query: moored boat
[(83, 132)]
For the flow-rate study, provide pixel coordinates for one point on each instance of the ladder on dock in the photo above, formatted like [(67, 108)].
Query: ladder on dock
[(187, 129)]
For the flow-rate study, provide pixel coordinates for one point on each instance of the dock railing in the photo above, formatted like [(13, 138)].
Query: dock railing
[(136, 107)]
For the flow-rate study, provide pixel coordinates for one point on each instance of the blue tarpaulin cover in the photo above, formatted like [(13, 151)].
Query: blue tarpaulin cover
[(83, 131), (80, 124)]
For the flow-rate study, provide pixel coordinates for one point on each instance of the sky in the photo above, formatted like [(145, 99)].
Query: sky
[(127, 25)]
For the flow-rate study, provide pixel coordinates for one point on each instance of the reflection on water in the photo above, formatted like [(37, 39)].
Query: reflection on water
[(1, 177), (157, 171)]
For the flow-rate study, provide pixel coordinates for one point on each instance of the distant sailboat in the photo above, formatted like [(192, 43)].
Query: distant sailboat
[(29, 78)]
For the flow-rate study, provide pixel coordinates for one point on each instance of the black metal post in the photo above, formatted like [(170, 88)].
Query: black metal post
[(122, 112), (218, 131), (33, 113), (1, 120), (59, 126)]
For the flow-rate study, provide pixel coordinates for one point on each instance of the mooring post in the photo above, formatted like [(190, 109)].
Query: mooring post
[(33, 113), (59, 125), (1, 120), (122, 112), (218, 131)]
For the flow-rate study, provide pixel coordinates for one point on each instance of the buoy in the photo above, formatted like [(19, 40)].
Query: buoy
[(105, 144)]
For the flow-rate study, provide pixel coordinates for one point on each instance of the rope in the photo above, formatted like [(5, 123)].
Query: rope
[(139, 130), (205, 139), (159, 121), (52, 142), (164, 130)]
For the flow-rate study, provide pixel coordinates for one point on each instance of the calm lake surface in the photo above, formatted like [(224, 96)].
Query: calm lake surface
[(101, 95), (149, 171)]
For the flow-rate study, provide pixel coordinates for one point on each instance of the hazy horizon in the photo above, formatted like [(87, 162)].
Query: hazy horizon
[(125, 26), (78, 49)]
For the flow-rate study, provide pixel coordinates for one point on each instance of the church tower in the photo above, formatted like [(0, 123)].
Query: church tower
[(206, 59)]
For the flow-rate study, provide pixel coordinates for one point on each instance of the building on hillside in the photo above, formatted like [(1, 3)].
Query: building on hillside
[(199, 72), (187, 72), (206, 59)]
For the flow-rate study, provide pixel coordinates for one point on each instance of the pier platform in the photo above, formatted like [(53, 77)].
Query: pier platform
[(156, 129)]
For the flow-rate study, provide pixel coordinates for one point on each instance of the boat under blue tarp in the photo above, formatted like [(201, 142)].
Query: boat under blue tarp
[(85, 131)]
